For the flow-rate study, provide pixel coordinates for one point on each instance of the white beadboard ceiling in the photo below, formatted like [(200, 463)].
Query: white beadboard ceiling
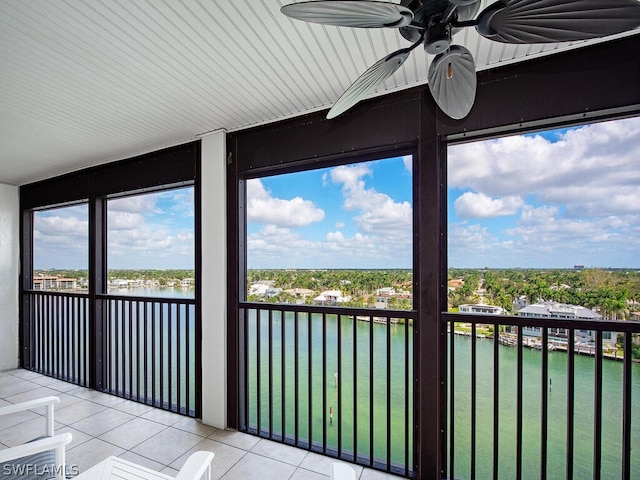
[(92, 81)]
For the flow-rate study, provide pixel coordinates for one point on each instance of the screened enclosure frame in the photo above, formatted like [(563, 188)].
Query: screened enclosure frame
[(510, 99), (163, 170)]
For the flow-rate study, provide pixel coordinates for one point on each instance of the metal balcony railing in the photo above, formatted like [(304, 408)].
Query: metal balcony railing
[(148, 345), (150, 351), (60, 335), (541, 407), (332, 380)]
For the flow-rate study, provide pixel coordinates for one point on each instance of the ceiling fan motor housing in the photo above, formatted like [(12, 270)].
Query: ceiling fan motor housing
[(438, 38)]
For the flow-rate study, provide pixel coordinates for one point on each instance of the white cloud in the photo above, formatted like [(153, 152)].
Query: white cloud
[(593, 170), (262, 207), (379, 213), (479, 205), (382, 237), (407, 160)]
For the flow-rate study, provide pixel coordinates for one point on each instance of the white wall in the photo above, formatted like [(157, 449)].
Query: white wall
[(9, 275), (214, 280)]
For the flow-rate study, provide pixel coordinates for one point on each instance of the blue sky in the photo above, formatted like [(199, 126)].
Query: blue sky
[(549, 200), (555, 199), (351, 216), (151, 231)]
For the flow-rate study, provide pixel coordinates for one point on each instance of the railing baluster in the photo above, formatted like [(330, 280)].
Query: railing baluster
[(473, 401), (570, 400), (388, 391), (519, 381), (178, 359), (161, 359), (296, 385), (283, 371), (145, 350), (452, 423), (407, 379), (130, 359), (496, 398), (597, 414), (339, 382), (324, 383), (170, 359), (371, 394), (544, 406), (310, 376), (355, 388), (153, 354), (270, 361), (258, 371), (626, 407)]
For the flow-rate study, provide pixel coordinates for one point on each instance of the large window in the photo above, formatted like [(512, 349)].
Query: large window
[(332, 380), (543, 226)]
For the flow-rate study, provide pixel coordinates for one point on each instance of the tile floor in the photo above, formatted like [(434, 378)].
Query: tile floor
[(103, 425)]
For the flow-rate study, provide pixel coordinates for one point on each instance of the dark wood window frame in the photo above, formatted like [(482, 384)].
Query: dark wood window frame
[(588, 84), (165, 169)]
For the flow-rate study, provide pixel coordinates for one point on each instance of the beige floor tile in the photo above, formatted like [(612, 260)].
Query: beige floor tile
[(106, 399), (89, 453), (134, 408), (302, 474), (321, 464), (162, 416), (169, 471), (78, 411), (24, 432), (234, 438), (280, 452), (369, 474), (143, 461), (133, 433), (256, 466), (14, 386), (102, 422), (168, 445), (78, 437), (24, 374), (193, 425), (61, 385), (7, 421), (225, 457), (39, 392)]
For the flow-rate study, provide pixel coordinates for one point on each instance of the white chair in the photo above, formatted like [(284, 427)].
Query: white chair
[(43, 456), (197, 466), (342, 471)]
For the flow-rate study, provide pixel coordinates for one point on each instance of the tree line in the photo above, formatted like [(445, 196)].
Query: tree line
[(613, 293)]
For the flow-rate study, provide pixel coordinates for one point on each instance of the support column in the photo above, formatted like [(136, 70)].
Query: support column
[(214, 279), (9, 274)]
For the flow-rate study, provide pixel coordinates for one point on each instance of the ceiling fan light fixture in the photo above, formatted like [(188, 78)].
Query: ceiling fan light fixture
[(452, 81)]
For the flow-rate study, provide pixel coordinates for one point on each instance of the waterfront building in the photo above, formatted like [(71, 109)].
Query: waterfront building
[(331, 298), (481, 308), (562, 310)]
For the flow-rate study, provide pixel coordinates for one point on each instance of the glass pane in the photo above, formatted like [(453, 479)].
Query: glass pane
[(334, 236), (544, 226), (150, 248), (60, 248)]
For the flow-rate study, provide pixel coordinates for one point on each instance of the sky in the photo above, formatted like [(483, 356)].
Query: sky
[(350, 216), (549, 200), (150, 231), (552, 200)]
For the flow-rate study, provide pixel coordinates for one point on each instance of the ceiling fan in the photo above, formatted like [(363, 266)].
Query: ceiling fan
[(433, 23)]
